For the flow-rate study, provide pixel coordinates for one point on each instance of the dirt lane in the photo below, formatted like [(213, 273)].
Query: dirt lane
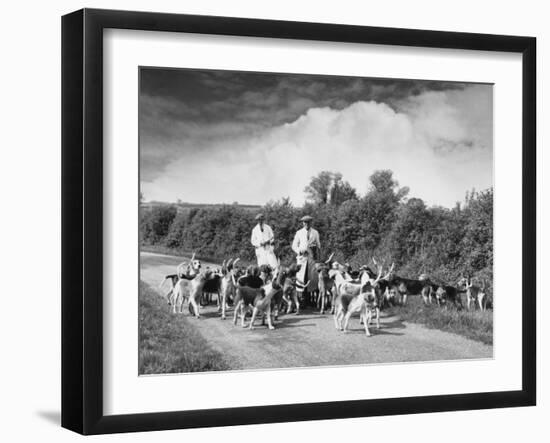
[(310, 339)]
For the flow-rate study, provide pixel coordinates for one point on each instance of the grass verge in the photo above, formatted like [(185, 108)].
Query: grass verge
[(476, 325), (169, 343)]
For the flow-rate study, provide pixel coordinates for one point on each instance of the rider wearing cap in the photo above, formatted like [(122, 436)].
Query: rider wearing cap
[(307, 247)]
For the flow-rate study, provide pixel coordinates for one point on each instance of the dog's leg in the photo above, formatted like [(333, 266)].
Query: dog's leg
[(341, 319), (169, 296), (180, 298), (223, 301), (175, 297), (170, 291), (277, 307), (193, 301), (322, 294), (377, 318), (172, 301), (367, 315), (269, 322), (346, 321), (243, 314), (335, 317), (254, 313), (236, 311), (182, 305), (288, 302), (178, 302), (297, 302), (404, 299)]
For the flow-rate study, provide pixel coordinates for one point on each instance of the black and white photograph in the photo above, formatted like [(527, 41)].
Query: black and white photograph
[(295, 220)]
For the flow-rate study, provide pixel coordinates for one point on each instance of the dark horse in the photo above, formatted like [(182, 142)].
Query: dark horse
[(311, 283)]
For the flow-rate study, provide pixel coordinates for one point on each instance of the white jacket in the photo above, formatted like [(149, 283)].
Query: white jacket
[(264, 254), (302, 241), (259, 237)]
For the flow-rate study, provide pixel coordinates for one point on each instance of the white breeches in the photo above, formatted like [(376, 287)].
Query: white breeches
[(301, 275), (266, 256)]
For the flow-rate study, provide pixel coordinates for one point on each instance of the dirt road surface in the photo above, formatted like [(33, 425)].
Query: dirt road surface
[(310, 339)]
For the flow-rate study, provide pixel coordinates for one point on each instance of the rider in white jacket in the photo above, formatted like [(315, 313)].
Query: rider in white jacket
[(307, 247), (263, 240)]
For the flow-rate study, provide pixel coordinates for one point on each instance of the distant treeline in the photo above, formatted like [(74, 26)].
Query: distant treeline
[(440, 242)]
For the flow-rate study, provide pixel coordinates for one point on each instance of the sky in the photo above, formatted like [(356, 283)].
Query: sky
[(228, 136)]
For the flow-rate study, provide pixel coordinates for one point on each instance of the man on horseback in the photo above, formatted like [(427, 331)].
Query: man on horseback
[(307, 247)]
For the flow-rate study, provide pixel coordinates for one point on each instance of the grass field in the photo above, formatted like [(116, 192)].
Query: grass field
[(476, 325), (169, 343), (158, 249)]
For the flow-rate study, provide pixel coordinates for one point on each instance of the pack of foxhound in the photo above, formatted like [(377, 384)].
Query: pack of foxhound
[(264, 293)]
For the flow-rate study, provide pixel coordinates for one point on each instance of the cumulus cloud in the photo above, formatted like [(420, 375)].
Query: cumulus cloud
[(437, 142)]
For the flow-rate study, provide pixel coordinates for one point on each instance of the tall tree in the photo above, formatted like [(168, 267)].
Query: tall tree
[(341, 192), (328, 187), (319, 187)]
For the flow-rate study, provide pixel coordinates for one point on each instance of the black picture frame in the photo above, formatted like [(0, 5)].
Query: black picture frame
[(82, 220)]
